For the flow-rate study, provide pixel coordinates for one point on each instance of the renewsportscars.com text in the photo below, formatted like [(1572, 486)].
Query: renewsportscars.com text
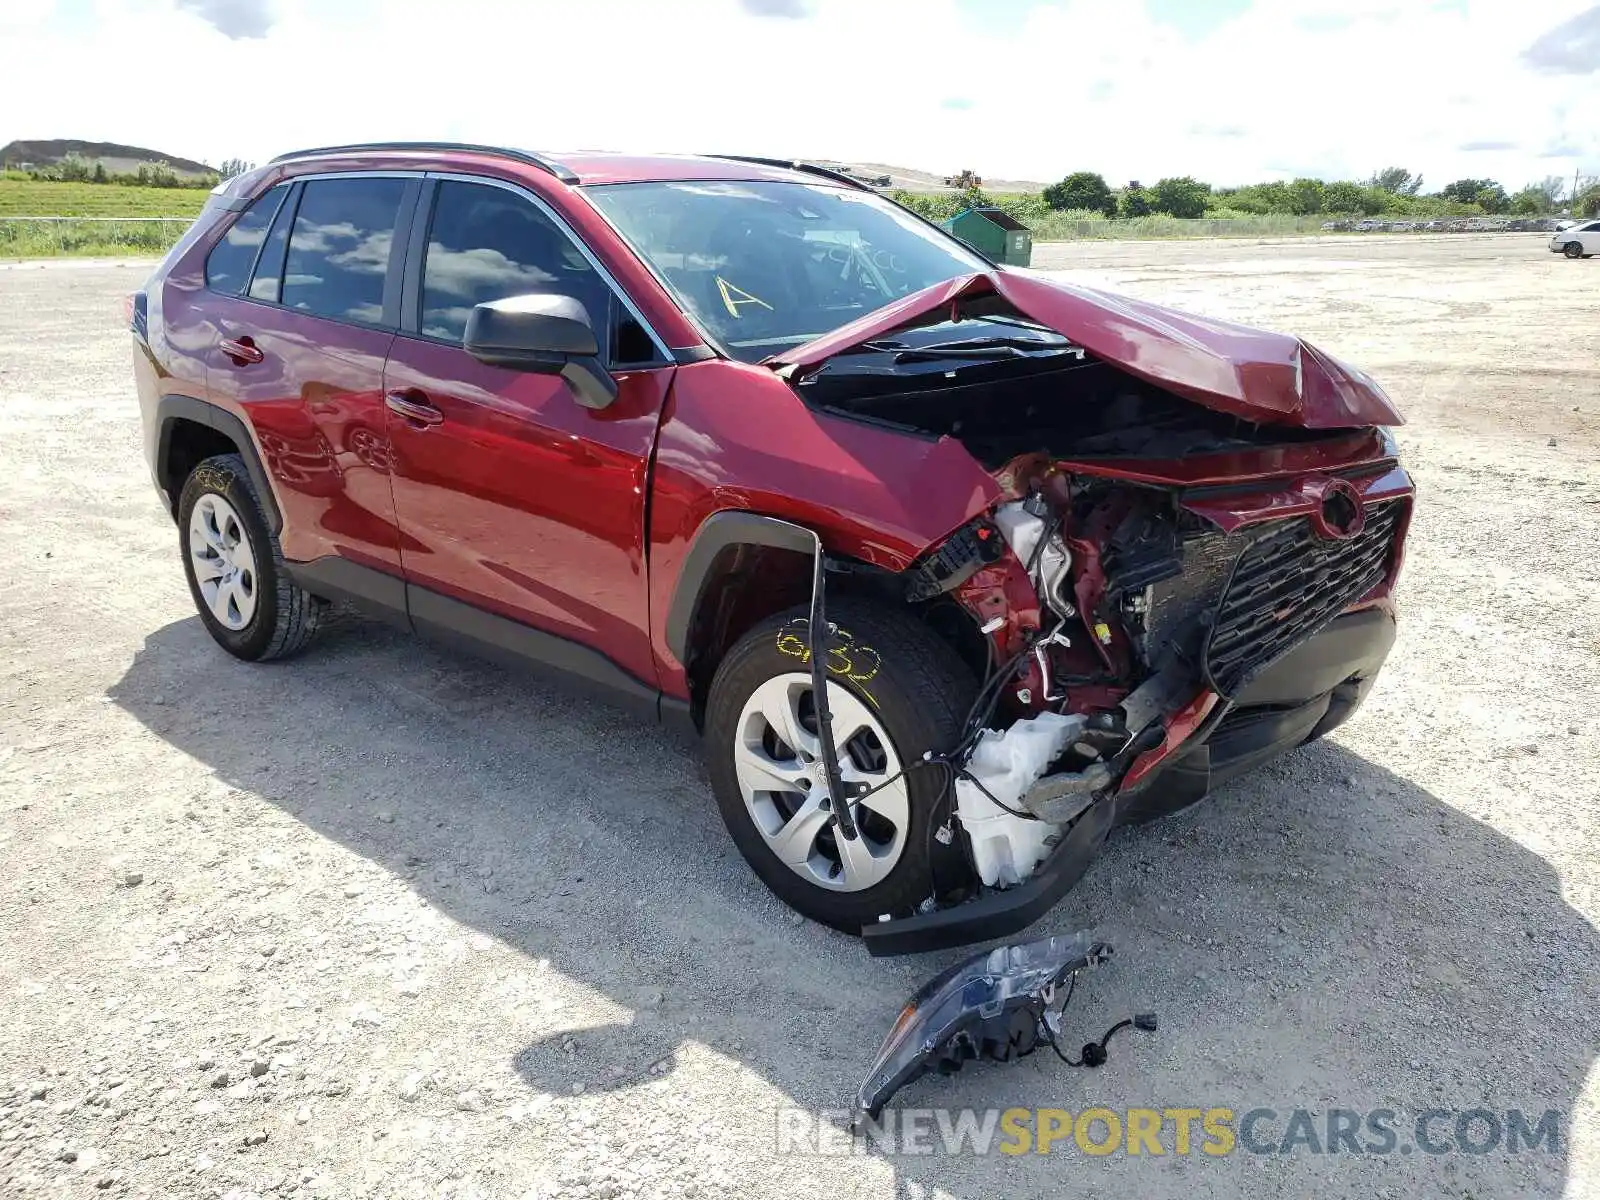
[(1153, 1132)]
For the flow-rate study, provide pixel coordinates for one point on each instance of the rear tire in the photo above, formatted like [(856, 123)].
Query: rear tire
[(896, 691), (235, 567)]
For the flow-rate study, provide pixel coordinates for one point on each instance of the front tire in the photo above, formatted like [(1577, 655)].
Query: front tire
[(235, 567), (896, 691), (1574, 250)]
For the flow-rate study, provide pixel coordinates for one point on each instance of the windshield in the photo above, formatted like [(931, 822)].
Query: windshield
[(767, 266)]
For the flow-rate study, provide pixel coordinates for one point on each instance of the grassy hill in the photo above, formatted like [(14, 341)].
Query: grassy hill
[(115, 157)]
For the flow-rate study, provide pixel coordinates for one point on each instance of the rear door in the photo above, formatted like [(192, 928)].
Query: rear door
[(301, 341), (512, 498)]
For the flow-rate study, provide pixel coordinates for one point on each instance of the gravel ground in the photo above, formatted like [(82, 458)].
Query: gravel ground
[(383, 921)]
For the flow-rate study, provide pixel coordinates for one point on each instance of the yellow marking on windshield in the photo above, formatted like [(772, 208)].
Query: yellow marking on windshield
[(733, 297)]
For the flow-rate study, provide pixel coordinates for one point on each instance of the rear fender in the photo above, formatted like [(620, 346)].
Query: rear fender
[(173, 409)]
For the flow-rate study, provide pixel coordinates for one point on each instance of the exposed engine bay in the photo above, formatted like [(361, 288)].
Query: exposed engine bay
[(1130, 602), (998, 391)]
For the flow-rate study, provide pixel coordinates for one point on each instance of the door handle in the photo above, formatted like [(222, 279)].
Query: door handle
[(242, 350), (413, 408)]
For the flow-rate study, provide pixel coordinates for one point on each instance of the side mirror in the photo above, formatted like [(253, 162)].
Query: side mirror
[(546, 333)]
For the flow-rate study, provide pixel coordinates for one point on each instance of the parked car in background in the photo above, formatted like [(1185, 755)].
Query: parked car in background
[(1577, 241)]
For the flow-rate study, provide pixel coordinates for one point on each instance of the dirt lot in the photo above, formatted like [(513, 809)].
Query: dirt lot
[(385, 922)]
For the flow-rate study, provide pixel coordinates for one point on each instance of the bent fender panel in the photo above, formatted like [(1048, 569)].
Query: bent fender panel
[(735, 436)]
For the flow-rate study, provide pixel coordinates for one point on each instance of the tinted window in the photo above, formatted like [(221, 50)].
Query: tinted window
[(267, 282), (339, 247), (485, 243), (228, 265)]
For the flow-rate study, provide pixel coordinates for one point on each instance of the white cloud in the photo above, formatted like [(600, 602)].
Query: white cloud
[(1571, 48), (1319, 87), (233, 18), (777, 8)]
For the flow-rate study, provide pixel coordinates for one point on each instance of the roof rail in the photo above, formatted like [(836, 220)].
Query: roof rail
[(562, 173), (794, 164)]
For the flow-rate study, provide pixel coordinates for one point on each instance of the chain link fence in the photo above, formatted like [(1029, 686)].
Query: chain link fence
[(46, 237)]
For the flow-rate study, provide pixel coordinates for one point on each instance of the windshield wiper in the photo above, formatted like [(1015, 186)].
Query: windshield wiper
[(980, 348)]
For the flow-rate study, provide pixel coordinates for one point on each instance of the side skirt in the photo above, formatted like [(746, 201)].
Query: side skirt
[(486, 635)]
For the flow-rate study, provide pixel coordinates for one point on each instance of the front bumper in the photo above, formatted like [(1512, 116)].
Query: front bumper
[(1303, 695)]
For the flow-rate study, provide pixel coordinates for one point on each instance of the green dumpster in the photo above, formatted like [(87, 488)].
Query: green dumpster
[(994, 233)]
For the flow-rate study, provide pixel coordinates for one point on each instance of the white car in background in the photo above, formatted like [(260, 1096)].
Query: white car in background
[(1577, 241)]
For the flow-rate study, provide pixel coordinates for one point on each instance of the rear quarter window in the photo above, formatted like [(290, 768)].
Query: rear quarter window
[(340, 245), (229, 263)]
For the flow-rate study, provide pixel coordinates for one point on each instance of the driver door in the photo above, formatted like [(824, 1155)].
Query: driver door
[(521, 512)]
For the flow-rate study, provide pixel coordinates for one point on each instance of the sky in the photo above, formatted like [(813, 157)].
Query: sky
[(1230, 91)]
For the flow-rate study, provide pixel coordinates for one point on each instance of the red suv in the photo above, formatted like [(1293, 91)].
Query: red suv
[(955, 567)]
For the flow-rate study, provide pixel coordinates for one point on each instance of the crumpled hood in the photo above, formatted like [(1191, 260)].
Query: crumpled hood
[(1268, 378)]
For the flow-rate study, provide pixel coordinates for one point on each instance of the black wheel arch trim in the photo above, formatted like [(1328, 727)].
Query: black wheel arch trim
[(171, 409), (718, 532)]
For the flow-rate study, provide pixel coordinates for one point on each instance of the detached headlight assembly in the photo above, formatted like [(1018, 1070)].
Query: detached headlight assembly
[(996, 1005)]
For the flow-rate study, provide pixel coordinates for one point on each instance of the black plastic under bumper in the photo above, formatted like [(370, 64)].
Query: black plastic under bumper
[(998, 914), (1306, 693)]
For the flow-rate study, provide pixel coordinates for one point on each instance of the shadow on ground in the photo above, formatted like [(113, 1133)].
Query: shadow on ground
[(1322, 934)]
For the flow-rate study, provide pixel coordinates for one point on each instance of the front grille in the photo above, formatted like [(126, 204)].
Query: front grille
[(1286, 585)]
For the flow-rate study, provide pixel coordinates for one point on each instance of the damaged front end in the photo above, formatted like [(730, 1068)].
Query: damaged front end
[(1189, 570)]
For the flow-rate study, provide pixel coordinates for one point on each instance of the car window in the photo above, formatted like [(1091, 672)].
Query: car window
[(228, 265), (267, 282), (486, 243), (764, 266), (339, 247)]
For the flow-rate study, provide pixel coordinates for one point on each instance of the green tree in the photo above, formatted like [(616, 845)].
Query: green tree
[(1375, 200), (1307, 196), (1587, 202), (99, 172), (1136, 201), (1182, 196), (1271, 197), (1082, 189), (1551, 188), (1492, 199), (1343, 197), (72, 169), (234, 166), (1528, 202), (1396, 180), (1465, 191)]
